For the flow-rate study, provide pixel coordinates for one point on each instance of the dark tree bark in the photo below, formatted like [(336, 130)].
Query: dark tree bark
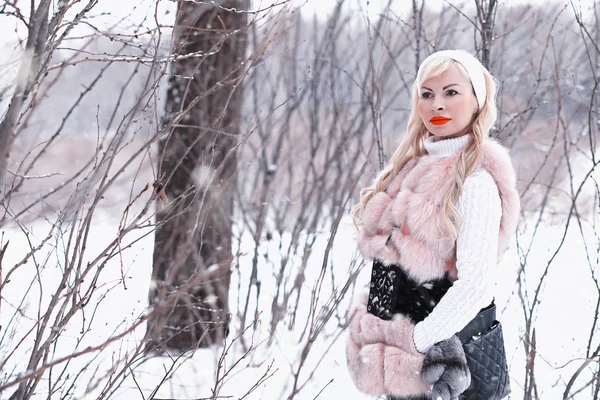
[(486, 15), (192, 253), (37, 36)]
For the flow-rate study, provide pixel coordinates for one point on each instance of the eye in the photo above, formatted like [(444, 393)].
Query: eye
[(426, 95), (451, 92)]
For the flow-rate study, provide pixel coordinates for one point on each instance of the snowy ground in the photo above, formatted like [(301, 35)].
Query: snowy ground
[(562, 325)]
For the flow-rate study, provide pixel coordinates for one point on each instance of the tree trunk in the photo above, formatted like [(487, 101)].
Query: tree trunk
[(192, 251), (486, 14), (37, 35)]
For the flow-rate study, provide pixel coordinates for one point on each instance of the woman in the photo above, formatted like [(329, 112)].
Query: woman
[(439, 215)]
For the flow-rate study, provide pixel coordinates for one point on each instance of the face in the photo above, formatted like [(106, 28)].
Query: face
[(447, 104)]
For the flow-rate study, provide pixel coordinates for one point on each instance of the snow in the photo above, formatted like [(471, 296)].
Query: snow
[(562, 323), (202, 175)]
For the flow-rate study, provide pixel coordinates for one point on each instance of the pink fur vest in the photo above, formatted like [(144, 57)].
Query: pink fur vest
[(381, 355), (410, 208)]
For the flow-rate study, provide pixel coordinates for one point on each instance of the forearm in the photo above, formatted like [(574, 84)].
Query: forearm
[(476, 259)]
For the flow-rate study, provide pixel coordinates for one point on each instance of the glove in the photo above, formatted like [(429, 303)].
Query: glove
[(381, 355), (445, 367)]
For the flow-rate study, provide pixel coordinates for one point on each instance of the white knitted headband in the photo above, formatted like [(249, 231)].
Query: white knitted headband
[(472, 66)]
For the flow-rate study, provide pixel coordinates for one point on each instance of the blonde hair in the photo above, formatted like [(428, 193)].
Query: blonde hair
[(412, 145)]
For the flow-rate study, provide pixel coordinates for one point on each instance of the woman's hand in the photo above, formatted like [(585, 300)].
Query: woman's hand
[(445, 367)]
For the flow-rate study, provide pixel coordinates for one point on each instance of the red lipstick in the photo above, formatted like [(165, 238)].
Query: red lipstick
[(437, 120)]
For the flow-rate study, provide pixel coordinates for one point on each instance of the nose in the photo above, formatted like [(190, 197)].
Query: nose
[(438, 105)]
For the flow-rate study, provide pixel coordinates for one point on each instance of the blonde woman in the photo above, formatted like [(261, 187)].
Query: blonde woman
[(434, 223)]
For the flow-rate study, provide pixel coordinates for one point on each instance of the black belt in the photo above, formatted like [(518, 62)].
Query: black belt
[(402, 294), (417, 301)]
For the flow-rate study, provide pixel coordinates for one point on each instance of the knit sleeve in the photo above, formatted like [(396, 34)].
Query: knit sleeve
[(476, 258)]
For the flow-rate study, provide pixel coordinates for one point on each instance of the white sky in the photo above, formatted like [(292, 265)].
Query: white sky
[(127, 13), (136, 10), (323, 7)]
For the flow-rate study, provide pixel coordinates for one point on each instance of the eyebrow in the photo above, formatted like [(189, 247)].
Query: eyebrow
[(444, 88)]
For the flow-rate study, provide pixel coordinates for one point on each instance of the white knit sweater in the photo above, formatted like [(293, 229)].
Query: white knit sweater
[(476, 252)]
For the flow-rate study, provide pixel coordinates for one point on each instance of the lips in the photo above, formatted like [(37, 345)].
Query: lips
[(439, 120)]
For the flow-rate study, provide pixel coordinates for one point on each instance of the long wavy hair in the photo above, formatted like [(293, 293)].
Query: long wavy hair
[(412, 144)]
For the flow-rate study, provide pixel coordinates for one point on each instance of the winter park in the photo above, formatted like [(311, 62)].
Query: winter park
[(179, 181)]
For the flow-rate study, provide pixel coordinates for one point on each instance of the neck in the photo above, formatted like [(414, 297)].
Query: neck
[(448, 146), (456, 135)]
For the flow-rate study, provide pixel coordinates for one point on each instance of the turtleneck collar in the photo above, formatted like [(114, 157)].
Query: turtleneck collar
[(446, 147)]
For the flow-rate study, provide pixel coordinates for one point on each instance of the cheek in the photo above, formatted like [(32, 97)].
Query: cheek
[(463, 111), (470, 107), (422, 110)]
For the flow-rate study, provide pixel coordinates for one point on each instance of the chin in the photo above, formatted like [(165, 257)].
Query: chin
[(440, 130), (444, 131)]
